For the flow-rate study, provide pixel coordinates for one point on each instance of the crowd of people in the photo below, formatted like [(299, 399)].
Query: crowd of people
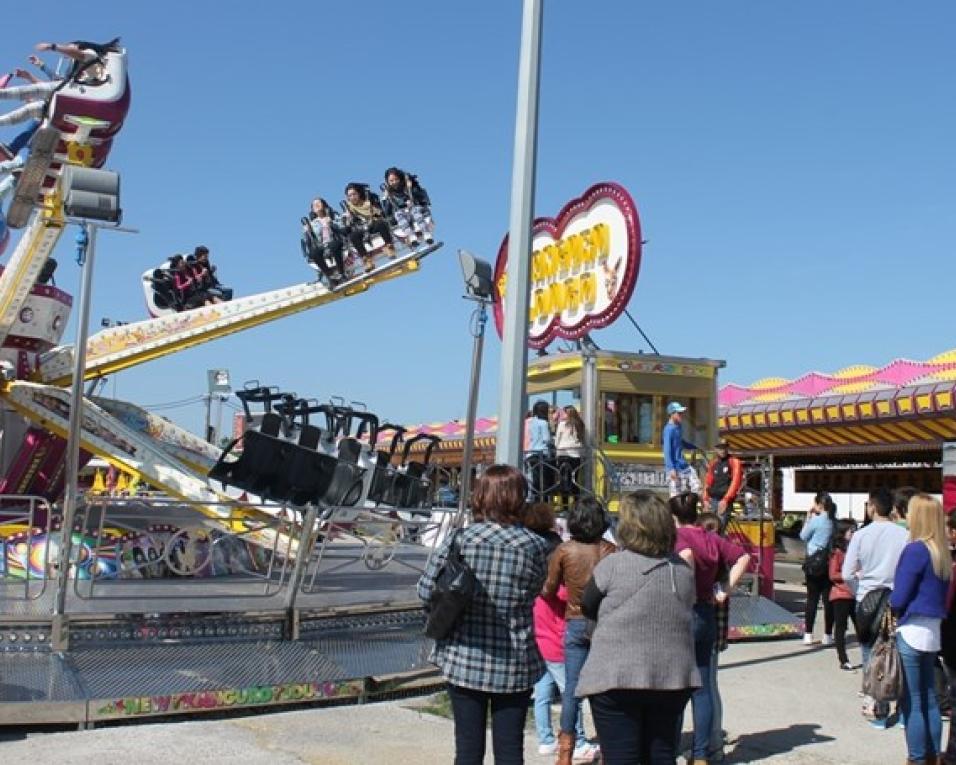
[(554, 447), (189, 281), (896, 570), (627, 620), (402, 212)]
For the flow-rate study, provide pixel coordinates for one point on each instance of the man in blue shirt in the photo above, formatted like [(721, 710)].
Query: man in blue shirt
[(681, 476)]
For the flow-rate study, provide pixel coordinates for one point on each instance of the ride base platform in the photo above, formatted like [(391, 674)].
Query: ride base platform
[(345, 625)]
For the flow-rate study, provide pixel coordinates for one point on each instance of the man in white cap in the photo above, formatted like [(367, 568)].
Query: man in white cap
[(681, 476)]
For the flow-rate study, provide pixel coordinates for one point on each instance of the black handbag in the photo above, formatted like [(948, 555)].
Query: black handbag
[(869, 614), (454, 588), (817, 566)]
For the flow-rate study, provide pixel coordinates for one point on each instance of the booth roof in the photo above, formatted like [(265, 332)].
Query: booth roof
[(853, 379)]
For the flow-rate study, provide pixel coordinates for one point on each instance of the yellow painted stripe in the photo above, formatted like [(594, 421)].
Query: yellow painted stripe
[(174, 345)]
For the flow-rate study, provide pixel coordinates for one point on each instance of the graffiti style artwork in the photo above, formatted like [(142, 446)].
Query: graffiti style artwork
[(258, 695), (155, 554)]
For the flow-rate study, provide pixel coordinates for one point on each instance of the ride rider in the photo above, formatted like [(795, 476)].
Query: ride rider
[(322, 241), (407, 204), (365, 219), (88, 68)]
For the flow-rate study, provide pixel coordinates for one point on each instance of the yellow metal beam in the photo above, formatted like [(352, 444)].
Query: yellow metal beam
[(105, 361)]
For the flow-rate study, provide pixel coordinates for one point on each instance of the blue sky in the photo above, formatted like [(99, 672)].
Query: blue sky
[(793, 164)]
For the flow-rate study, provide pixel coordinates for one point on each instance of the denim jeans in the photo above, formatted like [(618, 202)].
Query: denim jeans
[(715, 748), (508, 714), (924, 725), (576, 647), (705, 636), (552, 678), (638, 726)]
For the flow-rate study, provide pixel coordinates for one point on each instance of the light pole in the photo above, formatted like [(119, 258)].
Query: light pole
[(479, 284), (90, 197), (514, 336)]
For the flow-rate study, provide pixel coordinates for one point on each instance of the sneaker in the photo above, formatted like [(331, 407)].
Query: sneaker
[(586, 753), (847, 667), (808, 639), (827, 640), (546, 749)]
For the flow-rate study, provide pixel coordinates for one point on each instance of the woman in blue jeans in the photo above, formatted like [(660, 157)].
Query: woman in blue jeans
[(708, 553), (919, 602), (572, 565)]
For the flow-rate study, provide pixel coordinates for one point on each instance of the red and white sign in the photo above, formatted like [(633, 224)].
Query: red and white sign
[(584, 265)]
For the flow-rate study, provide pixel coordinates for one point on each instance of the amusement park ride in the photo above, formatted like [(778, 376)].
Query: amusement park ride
[(196, 600)]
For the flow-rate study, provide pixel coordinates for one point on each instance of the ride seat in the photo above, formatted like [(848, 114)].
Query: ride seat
[(345, 487), (258, 468)]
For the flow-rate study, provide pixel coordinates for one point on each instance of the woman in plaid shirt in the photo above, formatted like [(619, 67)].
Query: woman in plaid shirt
[(490, 659)]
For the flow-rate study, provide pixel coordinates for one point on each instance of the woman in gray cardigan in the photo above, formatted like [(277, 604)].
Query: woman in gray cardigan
[(641, 671)]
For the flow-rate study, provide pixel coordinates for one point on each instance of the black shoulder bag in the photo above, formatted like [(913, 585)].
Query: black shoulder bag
[(454, 588)]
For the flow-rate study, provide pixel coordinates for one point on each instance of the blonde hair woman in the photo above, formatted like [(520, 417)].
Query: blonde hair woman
[(919, 602)]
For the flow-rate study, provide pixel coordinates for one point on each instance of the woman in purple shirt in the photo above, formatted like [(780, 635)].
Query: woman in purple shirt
[(706, 552), (919, 602)]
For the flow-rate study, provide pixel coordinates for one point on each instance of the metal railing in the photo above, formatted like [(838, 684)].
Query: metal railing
[(28, 546), (375, 538), (119, 544)]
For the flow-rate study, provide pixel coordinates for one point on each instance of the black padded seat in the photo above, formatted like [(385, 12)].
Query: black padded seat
[(346, 486)]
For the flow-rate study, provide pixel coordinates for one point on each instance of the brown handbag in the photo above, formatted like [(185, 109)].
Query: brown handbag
[(883, 676)]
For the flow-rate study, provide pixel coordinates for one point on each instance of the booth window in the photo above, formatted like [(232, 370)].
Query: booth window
[(628, 418)]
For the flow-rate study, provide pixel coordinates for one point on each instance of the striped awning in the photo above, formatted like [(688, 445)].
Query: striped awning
[(911, 418)]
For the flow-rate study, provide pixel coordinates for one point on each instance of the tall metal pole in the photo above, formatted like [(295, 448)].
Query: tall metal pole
[(514, 350), (467, 457), (86, 250), (208, 431)]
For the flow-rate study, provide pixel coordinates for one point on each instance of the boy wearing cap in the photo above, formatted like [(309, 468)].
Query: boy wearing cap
[(681, 476)]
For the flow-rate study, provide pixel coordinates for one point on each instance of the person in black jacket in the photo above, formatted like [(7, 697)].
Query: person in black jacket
[(407, 205), (365, 219)]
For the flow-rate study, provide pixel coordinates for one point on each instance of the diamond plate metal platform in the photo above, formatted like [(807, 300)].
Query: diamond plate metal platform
[(128, 670), (760, 618)]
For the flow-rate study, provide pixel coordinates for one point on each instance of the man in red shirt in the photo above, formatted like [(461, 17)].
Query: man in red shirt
[(725, 476)]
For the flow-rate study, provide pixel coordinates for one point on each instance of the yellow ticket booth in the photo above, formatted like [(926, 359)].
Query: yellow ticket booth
[(622, 398)]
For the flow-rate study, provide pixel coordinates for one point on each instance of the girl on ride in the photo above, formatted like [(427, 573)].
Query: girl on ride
[(365, 220), (323, 242), (406, 203)]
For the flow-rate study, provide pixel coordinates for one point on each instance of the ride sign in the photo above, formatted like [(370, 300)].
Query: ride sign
[(584, 265)]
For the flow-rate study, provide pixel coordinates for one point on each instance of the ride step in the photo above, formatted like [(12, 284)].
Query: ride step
[(31, 178)]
